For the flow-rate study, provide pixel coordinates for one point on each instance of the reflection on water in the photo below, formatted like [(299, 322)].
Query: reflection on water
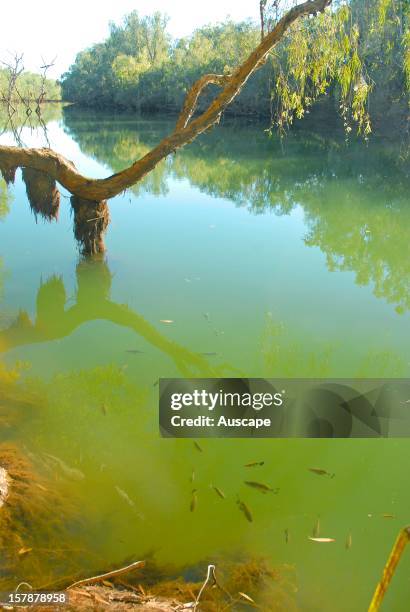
[(53, 320), (268, 261)]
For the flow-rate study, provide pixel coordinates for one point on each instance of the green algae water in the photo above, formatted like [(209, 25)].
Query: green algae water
[(271, 260)]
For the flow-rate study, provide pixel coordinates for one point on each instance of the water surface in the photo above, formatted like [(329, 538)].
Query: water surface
[(281, 259)]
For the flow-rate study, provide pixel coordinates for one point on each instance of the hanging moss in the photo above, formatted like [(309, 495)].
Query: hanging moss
[(42, 193), (8, 173), (91, 220)]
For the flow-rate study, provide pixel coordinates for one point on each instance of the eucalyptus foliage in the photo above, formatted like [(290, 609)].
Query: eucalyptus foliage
[(344, 51)]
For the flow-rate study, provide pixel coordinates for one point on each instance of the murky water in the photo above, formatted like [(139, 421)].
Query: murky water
[(299, 257)]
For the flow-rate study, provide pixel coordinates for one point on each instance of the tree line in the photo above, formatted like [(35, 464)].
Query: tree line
[(351, 59)]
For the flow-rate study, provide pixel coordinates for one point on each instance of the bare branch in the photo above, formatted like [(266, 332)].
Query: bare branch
[(192, 97), (112, 574)]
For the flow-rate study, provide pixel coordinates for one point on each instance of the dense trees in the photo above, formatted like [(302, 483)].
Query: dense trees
[(140, 67), (351, 53)]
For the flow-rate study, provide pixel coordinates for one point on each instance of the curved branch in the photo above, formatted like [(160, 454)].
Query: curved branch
[(67, 175), (192, 97)]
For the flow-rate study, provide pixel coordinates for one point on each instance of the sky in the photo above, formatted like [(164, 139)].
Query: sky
[(49, 28)]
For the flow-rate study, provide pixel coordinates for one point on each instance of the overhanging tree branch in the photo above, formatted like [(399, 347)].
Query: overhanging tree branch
[(95, 190), (192, 97)]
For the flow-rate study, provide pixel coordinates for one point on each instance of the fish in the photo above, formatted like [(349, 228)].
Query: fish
[(104, 409), (206, 316), (246, 597), (316, 529), (219, 492), (209, 354), (166, 321), (245, 510), (286, 532), (72, 473), (263, 488), (24, 551), (254, 464), (192, 476), (389, 516), (322, 540), (134, 352), (348, 543), (321, 472), (194, 501), (198, 448), (125, 496)]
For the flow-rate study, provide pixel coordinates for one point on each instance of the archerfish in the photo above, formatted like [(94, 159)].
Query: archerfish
[(219, 492), (194, 501), (263, 488), (321, 472), (322, 540), (245, 510)]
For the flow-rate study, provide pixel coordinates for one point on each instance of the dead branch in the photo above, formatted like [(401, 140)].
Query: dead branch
[(117, 572), (210, 579), (31, 101), (63, 171)]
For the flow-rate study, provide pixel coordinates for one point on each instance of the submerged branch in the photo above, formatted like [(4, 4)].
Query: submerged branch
[(112, 574)]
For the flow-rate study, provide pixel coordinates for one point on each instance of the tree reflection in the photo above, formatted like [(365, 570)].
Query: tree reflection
[(54, 321), (4, 199), (355, 198)]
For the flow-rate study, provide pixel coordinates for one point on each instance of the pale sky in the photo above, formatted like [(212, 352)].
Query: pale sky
[(49, 28)]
